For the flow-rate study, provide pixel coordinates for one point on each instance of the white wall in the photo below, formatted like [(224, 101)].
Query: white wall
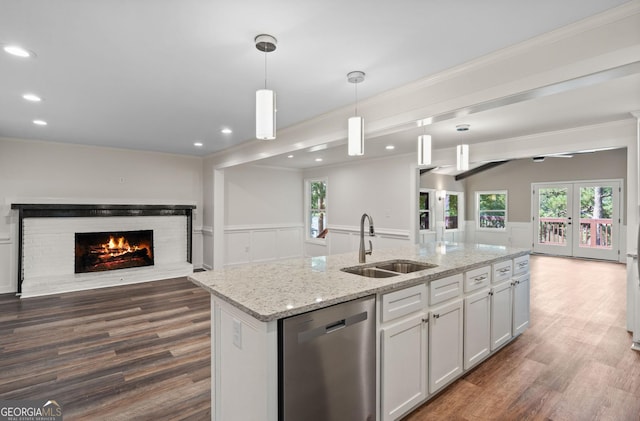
[(383, 188), (34, 171), (263, 214)]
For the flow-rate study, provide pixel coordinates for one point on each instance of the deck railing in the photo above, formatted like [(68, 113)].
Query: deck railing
[(593, 233)]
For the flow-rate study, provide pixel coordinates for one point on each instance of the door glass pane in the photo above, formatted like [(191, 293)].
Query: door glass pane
[(552, 214), (596, 211)]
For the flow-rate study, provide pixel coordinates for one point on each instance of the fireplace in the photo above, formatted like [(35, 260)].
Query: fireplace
[(102, 251)]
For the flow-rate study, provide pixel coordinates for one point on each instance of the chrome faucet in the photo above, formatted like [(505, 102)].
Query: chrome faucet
[(363, 253)]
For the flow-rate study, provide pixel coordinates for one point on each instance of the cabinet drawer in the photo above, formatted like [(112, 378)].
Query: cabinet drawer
[(444, 289), (477, 278), (400, 303), (521, 265), (502, 271)]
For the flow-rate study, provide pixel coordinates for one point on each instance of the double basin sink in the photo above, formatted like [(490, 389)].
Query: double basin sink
[(388, 269)]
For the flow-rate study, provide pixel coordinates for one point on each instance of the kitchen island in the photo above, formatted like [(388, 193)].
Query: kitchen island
[(247, 302)]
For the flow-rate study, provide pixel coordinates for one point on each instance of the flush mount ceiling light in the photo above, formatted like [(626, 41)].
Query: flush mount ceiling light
[(198, 144), (389, 147), (39, 122), (16, 50), (265, 98), (226, 130), (32, 97), (462, 151), (355, 134)]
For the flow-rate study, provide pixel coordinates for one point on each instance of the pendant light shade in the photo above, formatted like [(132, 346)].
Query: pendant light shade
[(265, 98), (462, 161), (265, 114), (356, 136), (355, 132), (424, 150)]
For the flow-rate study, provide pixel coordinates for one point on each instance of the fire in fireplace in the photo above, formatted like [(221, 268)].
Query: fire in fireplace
[(100, 251)]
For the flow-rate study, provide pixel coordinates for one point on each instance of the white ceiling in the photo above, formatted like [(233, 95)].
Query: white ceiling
[(159, 75)]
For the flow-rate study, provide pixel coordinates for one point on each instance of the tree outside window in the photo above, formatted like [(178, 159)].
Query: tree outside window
[(492, 210), (317, 197), (424, 209), (451, 211)]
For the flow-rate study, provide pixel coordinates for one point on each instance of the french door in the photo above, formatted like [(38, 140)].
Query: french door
[(580, 219)]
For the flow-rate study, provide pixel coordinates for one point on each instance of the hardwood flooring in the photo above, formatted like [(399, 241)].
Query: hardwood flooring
[(573, 363), (142, 352), (138, 352)]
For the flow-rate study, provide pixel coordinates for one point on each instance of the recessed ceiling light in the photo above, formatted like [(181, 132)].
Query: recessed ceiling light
[(40, 122), (290, 156), (16, 50), (226, 130), (389, 147), (32, 97), (198, 144), (318, 159)]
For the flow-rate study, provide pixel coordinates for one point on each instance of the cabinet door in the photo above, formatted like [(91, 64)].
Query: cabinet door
[(404, 366), (500, 314), (445, 344), (477, 328), (520, 304)]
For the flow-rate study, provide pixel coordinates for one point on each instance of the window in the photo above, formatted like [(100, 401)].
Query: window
[(425, 206), (491, 210), (316, 204), (451, 207)]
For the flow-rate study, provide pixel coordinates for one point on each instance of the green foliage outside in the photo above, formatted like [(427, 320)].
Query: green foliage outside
[(318, 194), (493, 210), (595, 202)]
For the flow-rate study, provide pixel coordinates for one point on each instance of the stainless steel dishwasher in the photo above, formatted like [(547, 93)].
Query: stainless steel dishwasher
[(327, 363)]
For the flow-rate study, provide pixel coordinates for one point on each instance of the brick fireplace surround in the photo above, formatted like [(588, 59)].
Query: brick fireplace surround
[(46, 247)]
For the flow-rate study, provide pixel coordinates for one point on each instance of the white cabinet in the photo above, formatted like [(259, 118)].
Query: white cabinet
[(477, 328), (443, 289), (501, 314), (477, 278), (502, 271), (445, 344), (404, 366), (520, 304)]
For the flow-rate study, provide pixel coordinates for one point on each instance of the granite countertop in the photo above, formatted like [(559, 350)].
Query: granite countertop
[(272, 291)]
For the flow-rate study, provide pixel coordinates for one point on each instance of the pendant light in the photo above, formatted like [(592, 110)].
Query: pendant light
[(462, 151), (424, 150), (265, 98), (355, 136)]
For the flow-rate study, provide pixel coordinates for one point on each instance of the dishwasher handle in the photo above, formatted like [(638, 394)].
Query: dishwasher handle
[(329, 328)]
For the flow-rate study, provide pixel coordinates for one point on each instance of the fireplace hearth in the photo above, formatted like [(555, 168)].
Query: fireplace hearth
[(102, 251)]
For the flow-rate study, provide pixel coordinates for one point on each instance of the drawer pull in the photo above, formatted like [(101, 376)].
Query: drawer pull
[(522, 264), (505, 270), (479, 279)]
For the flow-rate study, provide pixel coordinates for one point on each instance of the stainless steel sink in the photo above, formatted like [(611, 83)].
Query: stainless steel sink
[(388, 269), (370, 272), (404, 266)]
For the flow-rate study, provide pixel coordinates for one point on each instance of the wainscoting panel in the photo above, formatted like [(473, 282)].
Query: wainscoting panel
[(347, 239), (253, 244), (8, 277)]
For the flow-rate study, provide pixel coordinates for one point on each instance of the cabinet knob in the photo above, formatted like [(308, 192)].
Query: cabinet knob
[(436, 316), (425, 320)]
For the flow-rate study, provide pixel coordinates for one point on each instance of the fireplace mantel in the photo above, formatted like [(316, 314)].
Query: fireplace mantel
[(61, 210)]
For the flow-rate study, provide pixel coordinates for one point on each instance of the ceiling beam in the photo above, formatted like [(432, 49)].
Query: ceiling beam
[(479, 169)]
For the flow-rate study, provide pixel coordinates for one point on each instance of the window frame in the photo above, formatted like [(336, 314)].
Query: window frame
[(506, 210), (460, 196), (307, 208), (430, 210)]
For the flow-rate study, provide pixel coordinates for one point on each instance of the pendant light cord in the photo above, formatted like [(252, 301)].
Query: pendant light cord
[(265, 67), (356, 98)]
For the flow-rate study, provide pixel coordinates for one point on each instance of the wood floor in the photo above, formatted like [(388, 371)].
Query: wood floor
[(142, 352), (573, 363), (139, 352)]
